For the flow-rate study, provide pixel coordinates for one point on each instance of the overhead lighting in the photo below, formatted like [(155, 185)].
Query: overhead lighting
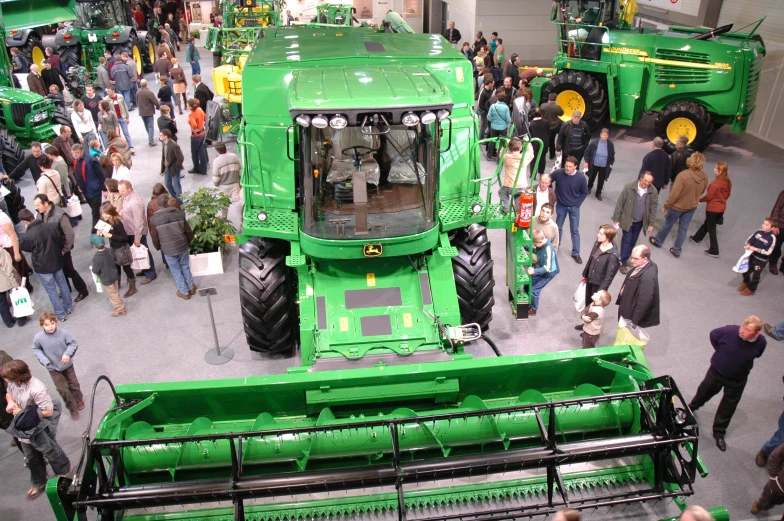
[(320, 121), (410, 119), (443, 114), (262, 216), (303, 120), (428, 118), (339, 121)]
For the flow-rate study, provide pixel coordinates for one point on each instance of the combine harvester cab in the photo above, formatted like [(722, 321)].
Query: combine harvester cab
[(499, 438)]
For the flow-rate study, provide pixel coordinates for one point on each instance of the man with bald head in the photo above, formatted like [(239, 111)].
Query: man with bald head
[(638, 300)]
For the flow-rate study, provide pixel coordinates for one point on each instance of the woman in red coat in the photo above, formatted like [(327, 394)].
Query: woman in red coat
[(718, 192)]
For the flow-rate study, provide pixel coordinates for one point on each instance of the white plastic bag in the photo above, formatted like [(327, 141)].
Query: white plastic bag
[(742, 266), (579, 297), (21, 301), (141, 257), (97, 280), (74, 208)]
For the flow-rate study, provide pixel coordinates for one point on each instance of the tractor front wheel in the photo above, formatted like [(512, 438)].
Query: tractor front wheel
[(70, 56), (473, 270), (33, 51), (267, 297), (12, 151), (685, 118), (577, 90)]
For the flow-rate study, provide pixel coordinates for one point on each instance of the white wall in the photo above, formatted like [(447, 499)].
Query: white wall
[(524, 25)]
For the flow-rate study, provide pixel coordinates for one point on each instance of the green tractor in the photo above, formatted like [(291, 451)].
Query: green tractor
[(696, 80), (103, 25), (26, 116), (242, 20)]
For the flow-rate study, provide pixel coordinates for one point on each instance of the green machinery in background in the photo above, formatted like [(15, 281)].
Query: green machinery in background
[(696, 80), (491, 438), (26, 116), (242, 20), (102, 25)]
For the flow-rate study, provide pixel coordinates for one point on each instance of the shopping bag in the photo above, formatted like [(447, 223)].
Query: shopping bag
[(624, 336), (141, 258), (742, 266), (74, 207), (21, 301), (557, 163), (579, 297), (97, 280)]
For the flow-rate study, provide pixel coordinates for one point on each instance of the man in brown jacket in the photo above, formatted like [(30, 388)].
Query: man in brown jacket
[(147, 103), (682, 202), (778, 215), (35, 82)]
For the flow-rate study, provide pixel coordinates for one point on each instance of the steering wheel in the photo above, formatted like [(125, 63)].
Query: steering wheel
[(358, 152)]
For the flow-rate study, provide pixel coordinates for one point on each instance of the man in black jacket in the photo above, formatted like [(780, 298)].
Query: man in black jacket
[(657, 162), (201, 92), (45, 242), (171, 234), (512, 69), (638, 299), (573, 138), (29, 162), (599, 160), (452, 34), (540, 128), (52, 76), (679, 157)]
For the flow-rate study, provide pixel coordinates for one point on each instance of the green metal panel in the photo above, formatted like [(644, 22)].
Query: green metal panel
[(21, 14)]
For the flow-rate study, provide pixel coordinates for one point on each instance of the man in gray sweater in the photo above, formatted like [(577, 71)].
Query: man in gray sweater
[(55, 349)]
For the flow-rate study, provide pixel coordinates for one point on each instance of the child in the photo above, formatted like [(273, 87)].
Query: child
[(107, 271), (593, 317), (55, 348), (512, 159), (545, 271), (761, 245), (95, 148)]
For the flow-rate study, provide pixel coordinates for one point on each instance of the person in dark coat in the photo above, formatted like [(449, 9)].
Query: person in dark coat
[(90, 178), (638, 299), (602, 265), (14, 200), (30, 162), (679, 157), (35, 82), (52, 76), (540, 128), (773, 491), (599, 160), (452, 35), (201, 92), (573, 138), (657, 162)]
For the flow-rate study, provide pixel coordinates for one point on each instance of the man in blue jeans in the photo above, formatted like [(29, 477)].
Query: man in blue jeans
[(45, 242), (571, 189), (172, 159), (634, 212), (171, 234)]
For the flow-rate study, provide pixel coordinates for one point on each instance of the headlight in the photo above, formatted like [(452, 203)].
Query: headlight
[(410, 119), (303, 120), (262, 216), (338, 122), (443, 114), (320, 121), (428, 118)]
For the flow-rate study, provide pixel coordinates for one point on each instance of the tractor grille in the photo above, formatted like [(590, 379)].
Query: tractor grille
[(19, 112), (681, 75), (755, 71)]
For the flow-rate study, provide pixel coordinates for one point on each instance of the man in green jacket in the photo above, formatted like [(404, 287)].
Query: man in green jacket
[(192, 56), (634, 212)]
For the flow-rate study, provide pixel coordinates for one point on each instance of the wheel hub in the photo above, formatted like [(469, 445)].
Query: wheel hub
[(137, 57), (569, 101), (38, 56), (681, 127), (151, 52)]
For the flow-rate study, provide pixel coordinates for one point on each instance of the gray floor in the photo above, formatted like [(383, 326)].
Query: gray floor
[(164, 338)]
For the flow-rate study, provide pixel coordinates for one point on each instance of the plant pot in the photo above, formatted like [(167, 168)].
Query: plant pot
[(206, 264)]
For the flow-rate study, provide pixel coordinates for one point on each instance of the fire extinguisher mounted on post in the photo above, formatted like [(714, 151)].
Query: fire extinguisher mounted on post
[(525, 215)]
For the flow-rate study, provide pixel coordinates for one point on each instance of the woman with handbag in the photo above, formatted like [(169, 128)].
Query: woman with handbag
[(49, 183), (718, 192), (118, 243), (179, 84)]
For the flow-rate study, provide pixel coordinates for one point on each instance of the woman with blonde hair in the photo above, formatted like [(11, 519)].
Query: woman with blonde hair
[(118, 242), (718, 192), (179, 83), (120, 170)]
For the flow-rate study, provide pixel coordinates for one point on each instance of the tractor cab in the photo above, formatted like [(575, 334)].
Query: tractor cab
[(101, 14)]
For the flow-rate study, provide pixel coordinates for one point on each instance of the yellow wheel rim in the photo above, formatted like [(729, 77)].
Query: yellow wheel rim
[(570, 101), (681, 127), (38, 56), (151, 52), (137, 57)]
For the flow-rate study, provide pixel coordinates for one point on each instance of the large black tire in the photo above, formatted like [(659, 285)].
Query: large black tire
[(61, 118), (27, 50), (591, 90), (267, 297), (12, 151), (473, 269), (70, 56), (692, 111)]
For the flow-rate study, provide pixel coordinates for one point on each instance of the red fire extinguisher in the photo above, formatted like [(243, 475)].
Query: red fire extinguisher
[(526, 209)]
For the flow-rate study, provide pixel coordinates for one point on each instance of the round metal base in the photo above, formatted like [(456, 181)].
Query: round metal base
[(212, 356)]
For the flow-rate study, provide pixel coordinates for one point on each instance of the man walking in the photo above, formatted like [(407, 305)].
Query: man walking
[(761, 459), (148, 102), (121, 109), (773, 491), (679, 157), (192, 56), (657, 162), (89, 178), (134, 219), (638, 299), (171, 234), (552, 112), (634, 212), (778, 216), (599, 161), (91, 101), (55, 348), (196, 120), (735, 349), (51, 214), (573, 138), (45, 243), (172, 159), (571, 190), (123, 77)]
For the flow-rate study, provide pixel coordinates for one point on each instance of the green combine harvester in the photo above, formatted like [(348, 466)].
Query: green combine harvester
[(696, 80), (365, 246), (25, 116)]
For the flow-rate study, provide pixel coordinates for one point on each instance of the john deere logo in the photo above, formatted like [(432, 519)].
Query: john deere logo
[(372, 250)]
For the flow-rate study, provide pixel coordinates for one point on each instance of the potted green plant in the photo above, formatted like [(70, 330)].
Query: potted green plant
[(209, 230)]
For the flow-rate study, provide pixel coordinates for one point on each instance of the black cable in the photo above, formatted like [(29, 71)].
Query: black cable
[(491, 344)]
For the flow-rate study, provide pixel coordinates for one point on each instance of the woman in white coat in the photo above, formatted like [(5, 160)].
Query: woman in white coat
[(120, 170)]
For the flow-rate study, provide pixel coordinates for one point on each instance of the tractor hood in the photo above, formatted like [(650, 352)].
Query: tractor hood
[(19, 95), (354, 90)]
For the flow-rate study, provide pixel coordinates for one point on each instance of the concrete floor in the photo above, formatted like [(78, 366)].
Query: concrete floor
[(164, 338)]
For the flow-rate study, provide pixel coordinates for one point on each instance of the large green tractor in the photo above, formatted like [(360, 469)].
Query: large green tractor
[(25, 116), (695, 80), (103, 25)]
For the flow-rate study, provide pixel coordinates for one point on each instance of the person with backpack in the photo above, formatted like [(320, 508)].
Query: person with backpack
[(499, 118), (19, 62)]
